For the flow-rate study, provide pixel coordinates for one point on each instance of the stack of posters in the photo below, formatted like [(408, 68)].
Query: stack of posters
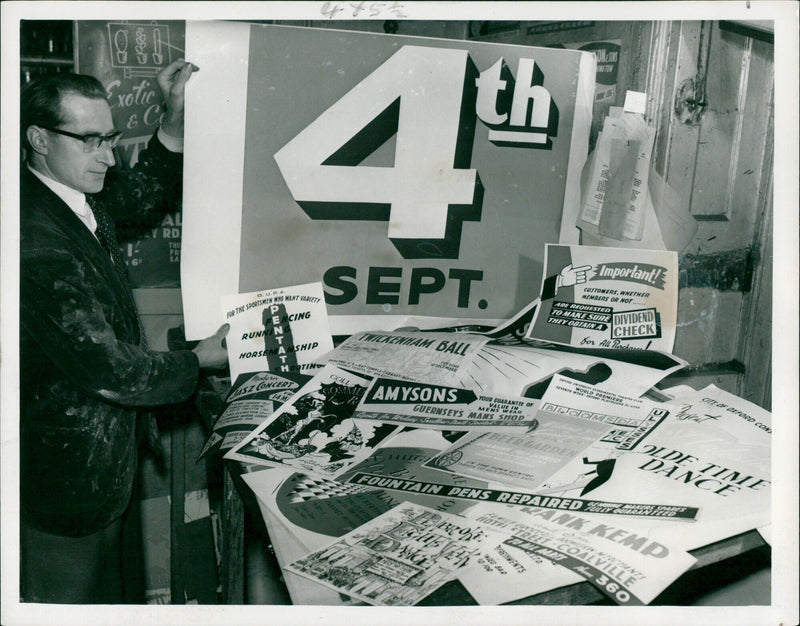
[(574, 420), (511, 460), (629, 568)]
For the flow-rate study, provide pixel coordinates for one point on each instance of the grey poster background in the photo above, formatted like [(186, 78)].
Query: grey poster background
[(295, 75)]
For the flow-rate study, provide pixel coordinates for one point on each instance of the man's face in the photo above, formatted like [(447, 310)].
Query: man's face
[(66, 160)]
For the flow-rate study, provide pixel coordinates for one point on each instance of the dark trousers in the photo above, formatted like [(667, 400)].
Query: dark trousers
[(106, 567), (71, 570)]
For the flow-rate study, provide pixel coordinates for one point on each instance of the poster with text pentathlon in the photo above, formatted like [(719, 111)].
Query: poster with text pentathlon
[(411, 176)]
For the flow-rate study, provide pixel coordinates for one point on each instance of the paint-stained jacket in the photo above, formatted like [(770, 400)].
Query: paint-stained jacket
[(82, 371)]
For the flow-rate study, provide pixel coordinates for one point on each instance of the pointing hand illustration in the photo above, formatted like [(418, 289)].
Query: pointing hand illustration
[(570, 276)]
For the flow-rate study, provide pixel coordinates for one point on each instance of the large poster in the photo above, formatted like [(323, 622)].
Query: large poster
[(411, 176), (126, 56)]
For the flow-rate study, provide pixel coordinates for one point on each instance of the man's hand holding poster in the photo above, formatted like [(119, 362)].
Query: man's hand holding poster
[(278, 330)]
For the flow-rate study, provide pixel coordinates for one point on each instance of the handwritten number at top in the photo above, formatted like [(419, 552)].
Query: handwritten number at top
[(364, 9)]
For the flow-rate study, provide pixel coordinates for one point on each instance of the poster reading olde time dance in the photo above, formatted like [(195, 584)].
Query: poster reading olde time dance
[(411, 176)]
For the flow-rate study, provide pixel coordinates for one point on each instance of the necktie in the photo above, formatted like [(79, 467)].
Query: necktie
[(107, 236)]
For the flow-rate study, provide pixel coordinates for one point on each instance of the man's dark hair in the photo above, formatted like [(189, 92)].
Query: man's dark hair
[(40, 103)]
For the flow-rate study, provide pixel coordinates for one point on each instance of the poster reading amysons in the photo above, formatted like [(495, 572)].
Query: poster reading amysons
[(411, 176)]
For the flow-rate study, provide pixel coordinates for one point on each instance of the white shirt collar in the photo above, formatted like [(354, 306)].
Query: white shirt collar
[(75, 200)]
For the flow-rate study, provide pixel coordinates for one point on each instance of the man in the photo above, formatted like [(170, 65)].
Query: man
[(84, 363)]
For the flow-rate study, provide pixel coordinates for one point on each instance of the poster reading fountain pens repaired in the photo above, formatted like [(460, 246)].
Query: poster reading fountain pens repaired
[(608, 298)]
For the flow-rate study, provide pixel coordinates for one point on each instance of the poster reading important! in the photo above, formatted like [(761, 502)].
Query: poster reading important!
[(600, 297), (411, 176)]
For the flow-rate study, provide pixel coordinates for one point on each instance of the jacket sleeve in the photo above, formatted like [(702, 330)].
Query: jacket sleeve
[(138, 198), (62, 308)]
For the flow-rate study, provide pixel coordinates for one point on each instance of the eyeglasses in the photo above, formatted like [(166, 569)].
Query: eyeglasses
[(91, 143)]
